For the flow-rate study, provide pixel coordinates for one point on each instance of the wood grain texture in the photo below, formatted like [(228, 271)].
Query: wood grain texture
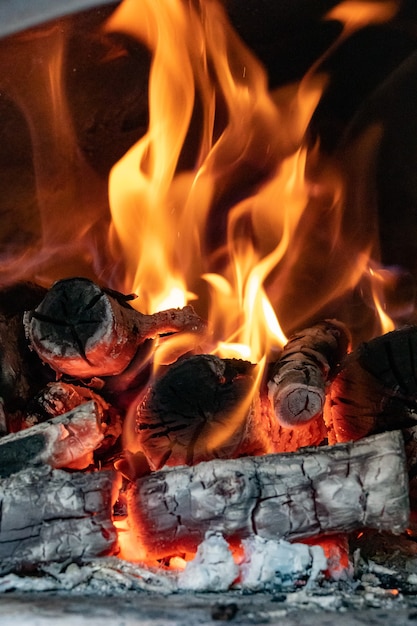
[(314, 491), (52, 515)]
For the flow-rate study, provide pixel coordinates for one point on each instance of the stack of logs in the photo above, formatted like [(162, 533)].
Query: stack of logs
[(205, 452)]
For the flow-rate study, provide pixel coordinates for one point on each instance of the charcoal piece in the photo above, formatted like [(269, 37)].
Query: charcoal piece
[(60, 397), (22, 373), (65, 441), (376, 388)]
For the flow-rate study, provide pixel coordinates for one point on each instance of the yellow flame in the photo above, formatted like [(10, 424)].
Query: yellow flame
[(144, 216), (377, 284), (254, 222), (164, 215)]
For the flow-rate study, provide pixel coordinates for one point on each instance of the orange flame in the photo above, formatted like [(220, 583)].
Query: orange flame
[(377, 285), (355, 14), (160, 214), (185, 229)]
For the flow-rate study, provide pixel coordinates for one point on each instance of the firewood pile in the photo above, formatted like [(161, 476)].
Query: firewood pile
[(328, 443)]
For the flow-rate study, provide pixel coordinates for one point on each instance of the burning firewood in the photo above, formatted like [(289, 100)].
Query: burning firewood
[(66, 441), (201, 408), (59, 398), (376, 388), (22, 373), (314, 491), (83, 330), (51, 515), (301, 375)]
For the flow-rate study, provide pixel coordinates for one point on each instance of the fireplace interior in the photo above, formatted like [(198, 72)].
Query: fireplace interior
[(208, 346)]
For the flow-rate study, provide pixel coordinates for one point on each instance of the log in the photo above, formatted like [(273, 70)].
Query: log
[(65, 441), (314, 491), (202, 407), (22, 373), (376, 388), (83, 330), (59, 398), (52, 515), (301, 375)]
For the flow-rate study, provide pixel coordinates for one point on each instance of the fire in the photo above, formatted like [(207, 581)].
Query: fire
[(377, 284), (358, 13), (253, 224), (163, 217), (254, 230), (222, 202)]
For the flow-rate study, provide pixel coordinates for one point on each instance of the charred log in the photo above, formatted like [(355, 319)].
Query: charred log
[(376, 388), (22, 373), (315, 491), (59, 398), (82, 330), (201, 408), (66, 441), (301, 375), (51, 515)]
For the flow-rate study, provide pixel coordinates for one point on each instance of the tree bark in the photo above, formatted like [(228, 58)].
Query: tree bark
[(314, 491), (51, 515)]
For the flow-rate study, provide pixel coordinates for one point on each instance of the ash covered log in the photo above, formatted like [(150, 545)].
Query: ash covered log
[(315, 491), (376, 388), (83, 330), (59, 398), (52, 515), (65, 441), (202, 407), (22, 373), (301, 375)]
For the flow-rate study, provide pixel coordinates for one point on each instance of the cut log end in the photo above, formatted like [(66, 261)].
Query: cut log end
[(296, 404), (376, 388), (197, 410), (79, 330), (300, 376), (82, 330)]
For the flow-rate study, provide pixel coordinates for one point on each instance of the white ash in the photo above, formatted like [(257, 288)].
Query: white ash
[(269, 563), (266, 564), (213, 567), (101, 576)]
